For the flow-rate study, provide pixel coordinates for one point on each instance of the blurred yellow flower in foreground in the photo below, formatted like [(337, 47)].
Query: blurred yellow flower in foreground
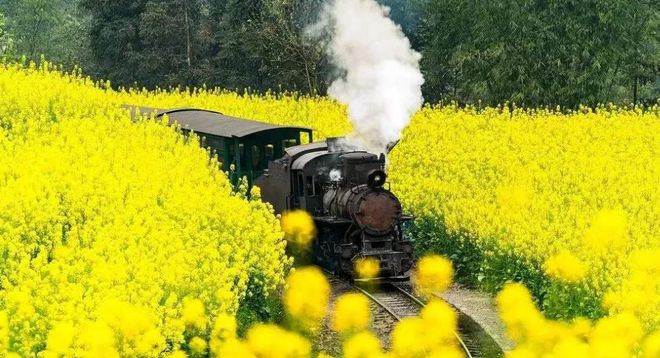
[(351, 314), (607, 231), (362, 345), (432, 334), (193, 313), (433, 275), (565, 267), (306, 296), (367, 267), (234, 349), (299, 227), (198, 345), (652, 345), (271, 341)]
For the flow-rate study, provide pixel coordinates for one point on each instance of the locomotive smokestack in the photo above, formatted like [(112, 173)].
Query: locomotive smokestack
[(382, 81)]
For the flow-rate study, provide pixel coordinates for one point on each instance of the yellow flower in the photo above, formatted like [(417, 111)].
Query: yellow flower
[(133, 213), (651, 348), (362, 345), (193, 313), (367, 267), (351, 313), (521, 352), (565, 267), (306, 296), (235, 349), (269, 341), (60, 338), (520, 315), (97, 339), (299, 227), (405, 340), (616, 334), (571, 347), (581, 327), (440, 321), (4, 330), (434, 275), (224, 328), (177, 354), (447, 352), (607, 231), (151, 342), (198, 345)]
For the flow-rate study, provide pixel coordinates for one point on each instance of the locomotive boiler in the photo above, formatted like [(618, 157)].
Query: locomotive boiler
[(345, 190)]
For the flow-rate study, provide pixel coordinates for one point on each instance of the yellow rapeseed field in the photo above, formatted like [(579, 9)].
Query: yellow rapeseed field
[(566, 203), (116, 238), (504, 191), (125, 239)]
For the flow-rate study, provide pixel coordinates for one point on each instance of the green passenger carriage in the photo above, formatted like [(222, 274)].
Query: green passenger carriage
[(256, 143)]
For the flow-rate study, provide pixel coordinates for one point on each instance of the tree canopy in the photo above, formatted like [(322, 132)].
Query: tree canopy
[(531, 52), (541, 52)]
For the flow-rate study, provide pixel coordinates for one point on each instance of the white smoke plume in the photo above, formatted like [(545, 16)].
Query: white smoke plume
[(382, 81), (335, 175)]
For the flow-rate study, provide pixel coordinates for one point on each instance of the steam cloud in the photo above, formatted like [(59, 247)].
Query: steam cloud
[(382, 81)]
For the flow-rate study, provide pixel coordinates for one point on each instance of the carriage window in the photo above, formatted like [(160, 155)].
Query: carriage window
[(301, 187), (256, 156), (270, 152), (309, 184), (289, 143), (214, 143)]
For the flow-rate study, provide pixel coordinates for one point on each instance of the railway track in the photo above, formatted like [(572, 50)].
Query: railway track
[(392, 302), (399, 303)]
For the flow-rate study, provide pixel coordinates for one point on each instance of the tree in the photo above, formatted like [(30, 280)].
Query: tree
[(264, 44), (56, 29), (115, 38), (407, 15), (6, 42), (296, 57), (538, 52), (176, 40), (237, 61)]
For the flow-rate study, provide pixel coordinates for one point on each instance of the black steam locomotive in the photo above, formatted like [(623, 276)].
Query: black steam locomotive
[(343, 188)]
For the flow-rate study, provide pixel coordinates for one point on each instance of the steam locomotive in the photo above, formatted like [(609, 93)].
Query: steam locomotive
[(342, 187)]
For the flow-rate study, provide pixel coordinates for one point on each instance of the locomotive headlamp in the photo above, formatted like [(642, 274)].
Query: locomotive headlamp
[(376, 178)]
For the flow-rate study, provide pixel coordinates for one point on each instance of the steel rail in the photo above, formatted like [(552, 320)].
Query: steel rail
[(397, 317)]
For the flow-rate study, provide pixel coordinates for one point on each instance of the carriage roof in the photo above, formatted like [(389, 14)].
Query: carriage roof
[(212, 122)]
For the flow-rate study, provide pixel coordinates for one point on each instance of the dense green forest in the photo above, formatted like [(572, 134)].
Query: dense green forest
[(531, 52)]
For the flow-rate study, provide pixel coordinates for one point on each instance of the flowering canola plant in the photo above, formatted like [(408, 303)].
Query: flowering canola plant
[(565, 203), (117, 238)]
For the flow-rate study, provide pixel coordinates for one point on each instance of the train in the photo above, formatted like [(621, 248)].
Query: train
[(344, 188)]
